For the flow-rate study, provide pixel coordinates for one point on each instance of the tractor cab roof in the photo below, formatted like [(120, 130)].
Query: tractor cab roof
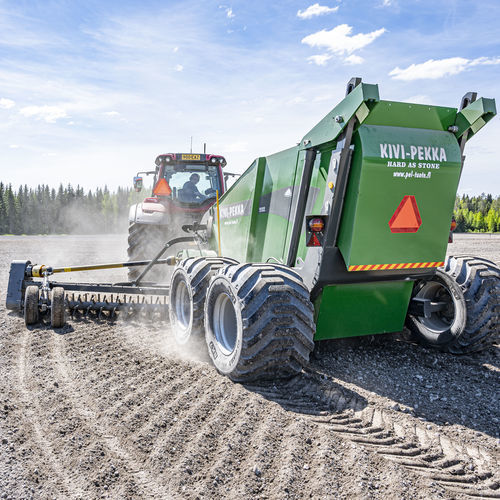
[(187, 158)]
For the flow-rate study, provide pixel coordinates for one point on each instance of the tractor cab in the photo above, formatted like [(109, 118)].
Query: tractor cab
[(186, 180)]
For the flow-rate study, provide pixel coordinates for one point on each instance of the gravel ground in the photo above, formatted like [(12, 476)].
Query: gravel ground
[(116, 410)]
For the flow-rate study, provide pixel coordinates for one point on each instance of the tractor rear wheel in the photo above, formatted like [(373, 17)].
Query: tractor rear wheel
[(57, 308), (470, 289), (144, 242), (258, 322), (31, 311), (188, 288)]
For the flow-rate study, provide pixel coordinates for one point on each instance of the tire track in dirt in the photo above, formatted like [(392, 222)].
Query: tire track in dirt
[(70, 482), (83, 405), (463, 469)]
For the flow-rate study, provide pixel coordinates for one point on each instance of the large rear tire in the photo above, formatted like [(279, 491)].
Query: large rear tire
[(144, 242), (258, 322), (470, 286), (188, 288)]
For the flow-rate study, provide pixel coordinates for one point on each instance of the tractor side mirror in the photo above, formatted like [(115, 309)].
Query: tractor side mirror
[(138, 184)]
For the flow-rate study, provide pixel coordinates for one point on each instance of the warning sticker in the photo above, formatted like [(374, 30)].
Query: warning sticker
[(406, 218)]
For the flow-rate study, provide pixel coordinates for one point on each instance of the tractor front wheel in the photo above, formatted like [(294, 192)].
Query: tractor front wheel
[(144, 242), (468, 289), (258, 322)]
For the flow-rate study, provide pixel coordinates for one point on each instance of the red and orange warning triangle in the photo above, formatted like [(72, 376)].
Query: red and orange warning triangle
[(406, 218)]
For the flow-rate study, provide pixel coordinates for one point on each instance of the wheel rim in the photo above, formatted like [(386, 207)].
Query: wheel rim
[(225, 324), (439, 321), (183, 310)]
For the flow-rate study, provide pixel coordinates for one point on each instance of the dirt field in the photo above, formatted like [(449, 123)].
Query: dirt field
[(116, 411)]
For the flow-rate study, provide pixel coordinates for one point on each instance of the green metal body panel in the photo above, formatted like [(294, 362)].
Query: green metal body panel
[(399, 150), (390, 163), (353, 310)]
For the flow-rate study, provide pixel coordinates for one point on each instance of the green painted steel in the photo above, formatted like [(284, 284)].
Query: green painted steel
[(475, 116), (400, 152), (391, 163), (353, 310), (358, 102)]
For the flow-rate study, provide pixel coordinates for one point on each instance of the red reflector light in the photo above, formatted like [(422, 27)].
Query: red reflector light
[(162, 188), (151, 200), (313, 241), (316, 225)]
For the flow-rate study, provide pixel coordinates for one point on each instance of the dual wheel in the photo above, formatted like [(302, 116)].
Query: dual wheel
[(57, 306), (256, 319)]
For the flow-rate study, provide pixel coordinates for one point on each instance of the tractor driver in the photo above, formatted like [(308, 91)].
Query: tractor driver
[(190, 190)]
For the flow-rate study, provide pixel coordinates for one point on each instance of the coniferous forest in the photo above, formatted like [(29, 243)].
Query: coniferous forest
[(45, 210)]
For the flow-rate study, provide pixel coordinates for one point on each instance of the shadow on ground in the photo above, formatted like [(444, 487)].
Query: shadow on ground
[(437, 387)]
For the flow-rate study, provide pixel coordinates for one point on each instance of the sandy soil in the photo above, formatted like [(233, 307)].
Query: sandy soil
[(117, 411)]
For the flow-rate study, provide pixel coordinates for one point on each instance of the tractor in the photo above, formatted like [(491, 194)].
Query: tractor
[(185, 185), (343, 235)]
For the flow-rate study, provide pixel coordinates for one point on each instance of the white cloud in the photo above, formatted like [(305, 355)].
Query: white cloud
[(179, 67), (354, 59), (296, 100), (229, 13), (175, 49), (112, 113), (48, 113), (485, 61), (439, 68), (418, 99), (316, 10), (339, 41), (14, 146), (6, 103), (388, 3), (236, 147), (319, 59)]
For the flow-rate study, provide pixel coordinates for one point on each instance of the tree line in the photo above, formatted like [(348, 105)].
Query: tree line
[(45, 210), (478, 214)]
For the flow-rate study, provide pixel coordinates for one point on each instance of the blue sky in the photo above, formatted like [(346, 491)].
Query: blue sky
[(92, 91)]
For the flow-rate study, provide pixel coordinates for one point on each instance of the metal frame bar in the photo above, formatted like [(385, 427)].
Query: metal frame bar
[(300, 211), (182, 239), (340, 189)]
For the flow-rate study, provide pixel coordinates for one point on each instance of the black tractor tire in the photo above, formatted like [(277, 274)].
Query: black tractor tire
[(144, 243), (188, 288), (471, 322), (31, 311), (259, 322), (58, 308)]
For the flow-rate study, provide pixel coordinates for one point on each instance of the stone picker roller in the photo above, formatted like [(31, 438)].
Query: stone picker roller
[(342, 235)]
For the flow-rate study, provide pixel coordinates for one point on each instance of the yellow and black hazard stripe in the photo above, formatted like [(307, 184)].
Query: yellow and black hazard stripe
[(389, 267)]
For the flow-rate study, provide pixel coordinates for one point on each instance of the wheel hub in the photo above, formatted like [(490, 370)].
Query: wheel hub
[(225, 324)]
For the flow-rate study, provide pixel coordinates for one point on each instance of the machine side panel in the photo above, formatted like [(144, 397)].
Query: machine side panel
[(351, 310), (275, 197), (236, 215)]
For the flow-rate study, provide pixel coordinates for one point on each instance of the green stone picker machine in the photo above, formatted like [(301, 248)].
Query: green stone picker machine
[(344, 234)]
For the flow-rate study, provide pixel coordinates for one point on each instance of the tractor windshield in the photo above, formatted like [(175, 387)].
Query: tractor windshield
[(194, 183)]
